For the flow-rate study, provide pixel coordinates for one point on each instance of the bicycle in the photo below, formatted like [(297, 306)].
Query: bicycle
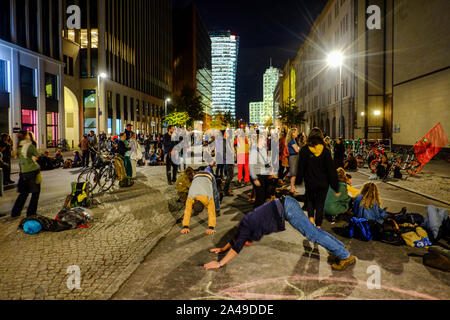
[(62, 145), (102, 174)]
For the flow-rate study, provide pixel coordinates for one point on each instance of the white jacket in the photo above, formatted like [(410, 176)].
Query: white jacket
[(136, 150)]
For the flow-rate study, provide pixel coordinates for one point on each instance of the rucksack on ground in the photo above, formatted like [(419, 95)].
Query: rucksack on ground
[(46, 224), (68, 164), (75, 217), (80, 197), (359, 228), (119, 168)]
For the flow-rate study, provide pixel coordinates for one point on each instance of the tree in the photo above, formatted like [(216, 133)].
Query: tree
[(290, 115), (229, 119), (189, 102), (218, 121), (179, 119)]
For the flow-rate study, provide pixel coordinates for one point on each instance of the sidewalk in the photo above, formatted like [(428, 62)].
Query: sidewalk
[(432, 182), (126, 226)]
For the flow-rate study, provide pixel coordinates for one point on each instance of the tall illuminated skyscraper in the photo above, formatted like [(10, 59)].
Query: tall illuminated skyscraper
[(270, 82), (225, 48)]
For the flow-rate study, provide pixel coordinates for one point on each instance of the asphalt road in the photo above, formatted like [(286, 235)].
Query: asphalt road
[(285, 265)]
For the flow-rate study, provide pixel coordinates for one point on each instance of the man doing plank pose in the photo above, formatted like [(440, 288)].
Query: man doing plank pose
[(270, 218)]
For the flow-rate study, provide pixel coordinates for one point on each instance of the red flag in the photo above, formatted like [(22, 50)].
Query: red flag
[(431, 144)]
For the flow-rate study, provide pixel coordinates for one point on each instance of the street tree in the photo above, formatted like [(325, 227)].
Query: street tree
[(290, 115), (188, 101)]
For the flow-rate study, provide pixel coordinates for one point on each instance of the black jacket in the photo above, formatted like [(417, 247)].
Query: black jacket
[(339, 150), (121, 148), (168, 143), (318, 172)]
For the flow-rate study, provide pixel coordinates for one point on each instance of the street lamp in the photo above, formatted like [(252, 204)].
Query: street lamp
[(335, 59), (101, 75), (165, 113)]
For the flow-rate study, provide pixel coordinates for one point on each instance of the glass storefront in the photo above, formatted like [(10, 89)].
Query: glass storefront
[(29, 121), (52, 129), (89, 111)]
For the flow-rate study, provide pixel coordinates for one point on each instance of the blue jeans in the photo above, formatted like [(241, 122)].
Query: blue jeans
[(297, 218)]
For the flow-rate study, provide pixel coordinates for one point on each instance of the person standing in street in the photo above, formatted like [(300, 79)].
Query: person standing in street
[(228, 160), (294, 149), (29, 177), (93, 143), (6, 150), (339, 153), (317, 169), (124, 150), (135, 153), (243, 151), (168, 153), (128, 131), (84, 146)]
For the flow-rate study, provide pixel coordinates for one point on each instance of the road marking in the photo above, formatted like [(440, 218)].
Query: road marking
[(412, 203)]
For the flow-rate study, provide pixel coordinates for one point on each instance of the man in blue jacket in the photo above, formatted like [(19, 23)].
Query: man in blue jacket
[(270, 218)]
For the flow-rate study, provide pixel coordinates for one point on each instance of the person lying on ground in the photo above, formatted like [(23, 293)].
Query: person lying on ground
[(203, 191), (336, 204), (270, 218)]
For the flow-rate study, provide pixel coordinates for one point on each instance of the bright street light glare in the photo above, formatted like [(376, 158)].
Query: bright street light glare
[(103, 75), (335, 59), (377, 112), (168, 99)]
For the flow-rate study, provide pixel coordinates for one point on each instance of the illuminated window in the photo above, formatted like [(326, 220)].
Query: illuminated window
[(71, 35), (94, 38), (84, 38)]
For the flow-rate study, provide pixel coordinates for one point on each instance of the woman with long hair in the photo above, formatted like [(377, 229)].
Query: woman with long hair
[(294, 149), (316, 168), (368, 204)]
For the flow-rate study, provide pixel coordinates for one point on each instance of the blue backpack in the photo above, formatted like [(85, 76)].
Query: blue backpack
[(359, 228), (32, 227)]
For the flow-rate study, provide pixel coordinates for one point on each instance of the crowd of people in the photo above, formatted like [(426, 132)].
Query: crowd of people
[(301, 159)]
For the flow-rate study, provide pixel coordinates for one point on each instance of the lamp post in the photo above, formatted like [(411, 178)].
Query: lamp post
[(335, 59), (101, 75), (165, 113)]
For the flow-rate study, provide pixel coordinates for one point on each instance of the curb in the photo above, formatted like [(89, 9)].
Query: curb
[(411, 190)]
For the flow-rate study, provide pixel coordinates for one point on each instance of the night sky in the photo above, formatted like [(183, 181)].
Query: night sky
[(267, 29)]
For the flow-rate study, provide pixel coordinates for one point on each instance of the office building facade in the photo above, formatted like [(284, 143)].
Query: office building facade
[(225, 49), (192, 56), (256, 112), (31, 70), (131, 43), (270, 81), (391, 87)]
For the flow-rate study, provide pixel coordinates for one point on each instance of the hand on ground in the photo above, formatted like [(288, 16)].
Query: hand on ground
[(185, 231), (209, 231), (216, 250), (212, 265)]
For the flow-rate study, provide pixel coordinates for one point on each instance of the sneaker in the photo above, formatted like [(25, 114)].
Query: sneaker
[(343, 264), (333, 219)]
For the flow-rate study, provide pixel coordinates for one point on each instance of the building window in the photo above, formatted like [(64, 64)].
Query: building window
[(27, 81), (4, 87), (118, 115), (110, 110), (94, 38), (29, 121), (84, 38), (51, 86), (89, 110), (132, 109), (70, 66), (52, 129), (125, 108), (84, 73)]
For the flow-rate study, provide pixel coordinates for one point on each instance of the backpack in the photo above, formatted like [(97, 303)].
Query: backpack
[(80, 196), (119, 168), (75, 217), (359, 228), (45, 223), (411, 218), (126, 182), (390, 233)]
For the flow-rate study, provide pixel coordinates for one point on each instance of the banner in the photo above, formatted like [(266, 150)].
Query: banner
[(430, 145)]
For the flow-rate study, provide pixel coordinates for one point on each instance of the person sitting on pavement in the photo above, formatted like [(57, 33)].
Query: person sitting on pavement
[(270, 218), (203, 193), (77, 163), (351, 164), (183, 184), (58, 160), (368, 204), (336, 205), (383, 168), (45, 162), (352, 191)]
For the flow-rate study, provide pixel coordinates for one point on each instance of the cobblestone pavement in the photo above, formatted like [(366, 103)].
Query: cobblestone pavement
[(433, 181), (127, 224)]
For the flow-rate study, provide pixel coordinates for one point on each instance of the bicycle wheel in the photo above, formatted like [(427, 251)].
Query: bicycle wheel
[(107, 178), (89, 175), (414, 167), (373, 165)]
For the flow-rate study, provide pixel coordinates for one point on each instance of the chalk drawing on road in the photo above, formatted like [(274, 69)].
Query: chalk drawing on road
[(330, 289)]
